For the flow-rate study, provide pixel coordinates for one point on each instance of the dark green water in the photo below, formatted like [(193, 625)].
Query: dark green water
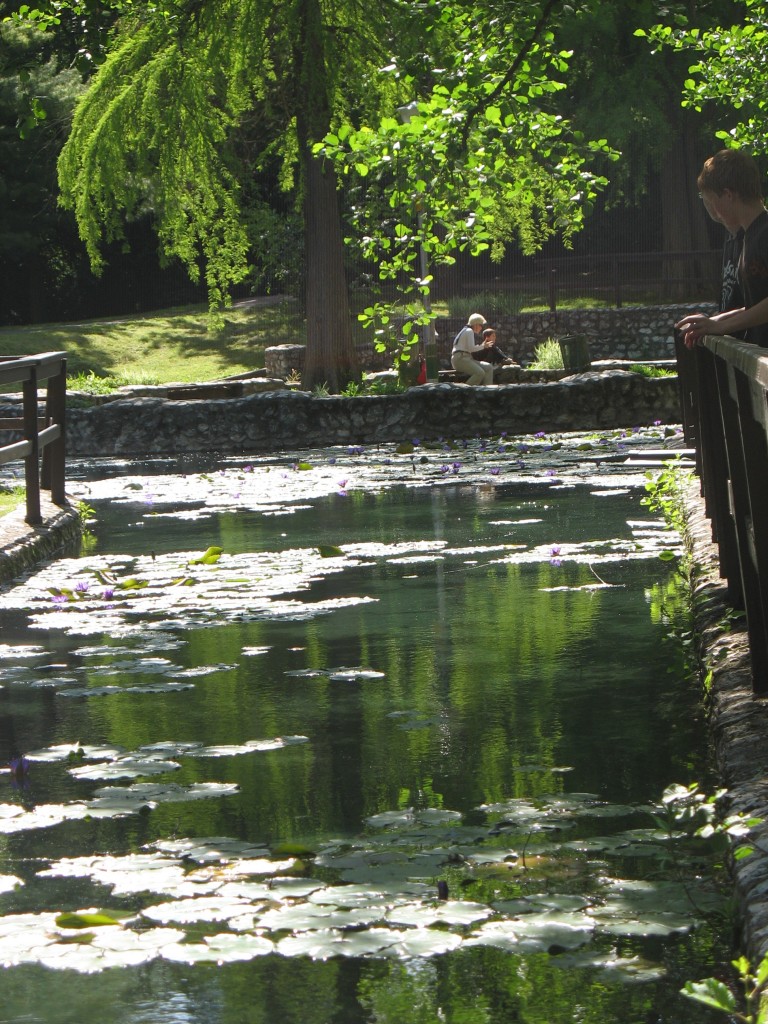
[(516, 706)]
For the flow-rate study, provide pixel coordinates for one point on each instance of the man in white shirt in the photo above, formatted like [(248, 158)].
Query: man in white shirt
[(465, 347)]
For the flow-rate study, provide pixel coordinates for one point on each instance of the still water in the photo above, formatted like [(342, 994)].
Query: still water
[(355, 735)]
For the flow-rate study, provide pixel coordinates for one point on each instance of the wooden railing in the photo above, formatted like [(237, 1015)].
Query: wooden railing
[(43, 442), (724, 395)]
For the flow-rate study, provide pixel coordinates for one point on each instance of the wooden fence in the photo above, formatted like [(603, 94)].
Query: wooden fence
[(724, 395), (43, 442)]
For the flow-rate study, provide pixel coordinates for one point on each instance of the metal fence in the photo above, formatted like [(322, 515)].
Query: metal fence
[(42, 445), (724, 395), (630, 278)]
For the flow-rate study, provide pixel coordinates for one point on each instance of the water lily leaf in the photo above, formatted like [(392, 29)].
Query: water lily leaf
[(85, 919), (15, 819), (74, 752), (327, 943), (196, 908), (455, 912), (9, 882), (211, 557), (125, 768), (422, 942), (387, 818), (437, 816), (132, 584), (351, 674), (312, 916), (660, 924), (330, 551), (210, 850), (108, 691), (249, 747), (223, 948)]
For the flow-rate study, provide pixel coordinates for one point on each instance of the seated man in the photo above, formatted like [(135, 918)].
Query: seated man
[(466, 355)]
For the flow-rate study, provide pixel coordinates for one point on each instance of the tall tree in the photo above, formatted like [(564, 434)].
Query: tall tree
[(160, 126)]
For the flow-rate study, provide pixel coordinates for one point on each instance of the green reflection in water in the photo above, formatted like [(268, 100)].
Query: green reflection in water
[(502, 678)]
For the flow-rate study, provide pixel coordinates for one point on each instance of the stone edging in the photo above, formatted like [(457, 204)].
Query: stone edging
[(738, 723), (23, 546)]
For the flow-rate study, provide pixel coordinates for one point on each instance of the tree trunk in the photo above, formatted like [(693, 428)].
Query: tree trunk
[(330, 358)]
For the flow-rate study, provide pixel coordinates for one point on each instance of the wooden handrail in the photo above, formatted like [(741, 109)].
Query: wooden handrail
[(43, 444), (724, 384)]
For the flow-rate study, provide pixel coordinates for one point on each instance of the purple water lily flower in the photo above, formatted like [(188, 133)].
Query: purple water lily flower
[(494, 470), (81, 587)]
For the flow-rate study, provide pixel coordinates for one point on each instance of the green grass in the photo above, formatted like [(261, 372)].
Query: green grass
[(11, 498), (175, 345)]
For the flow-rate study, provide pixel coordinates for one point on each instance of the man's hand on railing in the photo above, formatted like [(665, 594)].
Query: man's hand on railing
[(694, 326)]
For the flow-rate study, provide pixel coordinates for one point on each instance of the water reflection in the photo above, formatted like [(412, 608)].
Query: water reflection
[(507, 650)]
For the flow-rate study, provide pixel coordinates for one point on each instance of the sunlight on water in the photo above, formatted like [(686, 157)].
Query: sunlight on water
[(379, 732)]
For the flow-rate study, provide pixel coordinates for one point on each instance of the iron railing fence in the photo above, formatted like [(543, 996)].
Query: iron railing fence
[(724, 396), (631, 278), (43, 442)]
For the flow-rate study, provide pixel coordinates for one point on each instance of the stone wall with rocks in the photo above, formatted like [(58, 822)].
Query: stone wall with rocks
[(641, 333), (291, 420)]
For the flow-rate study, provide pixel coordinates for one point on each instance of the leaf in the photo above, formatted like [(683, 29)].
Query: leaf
[(211, 556), (84, 919), (132, 584), (711, 992), (330, 551)]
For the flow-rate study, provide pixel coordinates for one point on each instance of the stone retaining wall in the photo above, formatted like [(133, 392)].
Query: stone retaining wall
[(279, 420), (640, 333), (23, 546)]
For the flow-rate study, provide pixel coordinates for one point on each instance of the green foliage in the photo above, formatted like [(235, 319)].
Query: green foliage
[(94, 384), (547, 356), (688, 809), (665, 493), (726, 65), (647, 370), (713, 992)]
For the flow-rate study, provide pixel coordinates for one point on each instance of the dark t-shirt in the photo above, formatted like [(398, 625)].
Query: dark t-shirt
[(730, 289), (753, 273)]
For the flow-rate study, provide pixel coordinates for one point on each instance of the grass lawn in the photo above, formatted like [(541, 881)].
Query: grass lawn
[(11, 498), (171, 345)]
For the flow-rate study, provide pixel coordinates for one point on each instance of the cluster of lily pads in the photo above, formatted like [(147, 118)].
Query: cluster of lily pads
[(416, 883)]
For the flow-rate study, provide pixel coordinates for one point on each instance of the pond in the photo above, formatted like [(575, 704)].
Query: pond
[(356, 735)]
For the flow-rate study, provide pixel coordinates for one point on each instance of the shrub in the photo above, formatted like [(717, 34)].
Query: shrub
[(547, 356)]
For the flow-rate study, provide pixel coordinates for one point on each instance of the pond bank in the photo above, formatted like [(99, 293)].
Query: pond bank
[(738, 723), (23, 546), (285, 419)]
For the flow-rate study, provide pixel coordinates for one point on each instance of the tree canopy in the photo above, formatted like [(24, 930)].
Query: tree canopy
[(160, 129), (386, 130)]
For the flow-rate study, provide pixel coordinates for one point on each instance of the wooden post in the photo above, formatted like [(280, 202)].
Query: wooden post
[(31, 463)]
